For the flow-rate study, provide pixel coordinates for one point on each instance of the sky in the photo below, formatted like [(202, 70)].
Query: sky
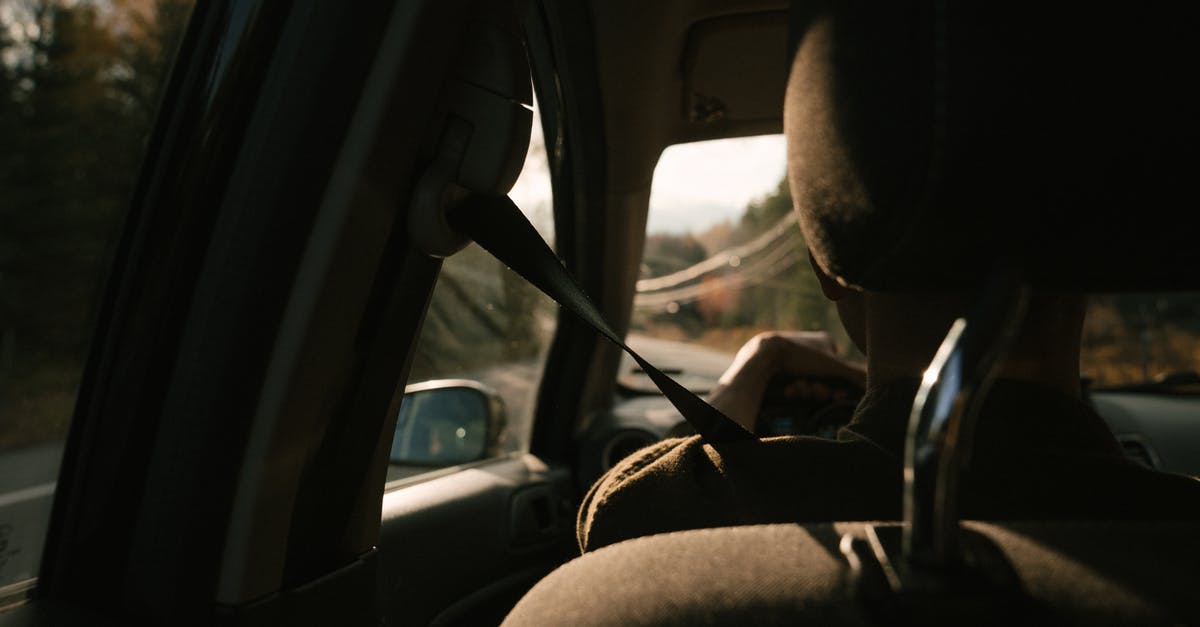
[(532, 191), (701, 184)]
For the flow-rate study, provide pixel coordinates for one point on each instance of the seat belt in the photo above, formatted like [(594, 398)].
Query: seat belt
[(497, 225)]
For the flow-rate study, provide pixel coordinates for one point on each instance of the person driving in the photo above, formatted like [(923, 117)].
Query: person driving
[(1040, 451)]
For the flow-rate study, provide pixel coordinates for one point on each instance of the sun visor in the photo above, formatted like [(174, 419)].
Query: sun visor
[(930, 139), (722, 88)]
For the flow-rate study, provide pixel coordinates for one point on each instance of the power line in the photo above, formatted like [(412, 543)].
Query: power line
[(769, 265), (730, 257)]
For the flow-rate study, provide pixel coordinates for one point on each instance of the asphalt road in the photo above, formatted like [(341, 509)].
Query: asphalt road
[(27, 478), (696, 368)]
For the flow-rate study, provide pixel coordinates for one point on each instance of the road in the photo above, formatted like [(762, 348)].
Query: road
[(695, 367), (27, 479)]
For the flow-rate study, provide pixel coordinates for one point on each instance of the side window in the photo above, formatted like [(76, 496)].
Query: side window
[(79, 83), (724, 260), (474, 378), (1142, 340)]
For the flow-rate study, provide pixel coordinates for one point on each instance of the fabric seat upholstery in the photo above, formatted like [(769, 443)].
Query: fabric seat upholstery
[(1093, 573)]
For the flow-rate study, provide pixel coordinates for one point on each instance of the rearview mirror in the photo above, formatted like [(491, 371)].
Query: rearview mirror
[(447, 422)]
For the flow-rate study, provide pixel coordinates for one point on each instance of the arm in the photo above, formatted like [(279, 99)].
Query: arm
[(739, 392)]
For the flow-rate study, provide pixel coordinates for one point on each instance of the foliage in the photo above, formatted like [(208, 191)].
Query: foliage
[(763, 213), (481, 315), (1127, 338), (754, 295), (666, 253), (79, 83)]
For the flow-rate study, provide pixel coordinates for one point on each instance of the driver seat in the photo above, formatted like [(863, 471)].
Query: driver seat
[(1093, 573)]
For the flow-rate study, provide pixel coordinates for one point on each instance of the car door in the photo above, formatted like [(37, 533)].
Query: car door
[(229, 446)]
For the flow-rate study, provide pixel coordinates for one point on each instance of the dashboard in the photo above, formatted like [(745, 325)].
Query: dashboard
[(1158, 430)]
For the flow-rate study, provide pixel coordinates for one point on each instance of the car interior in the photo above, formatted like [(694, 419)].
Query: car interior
[(315, 382)]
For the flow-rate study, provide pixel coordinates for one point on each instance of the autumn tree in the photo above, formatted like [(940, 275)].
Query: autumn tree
[(79, 85)]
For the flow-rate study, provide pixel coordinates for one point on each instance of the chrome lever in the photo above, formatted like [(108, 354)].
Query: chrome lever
[(941, 426)]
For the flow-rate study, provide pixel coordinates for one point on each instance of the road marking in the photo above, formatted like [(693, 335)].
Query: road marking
[(32, 492)]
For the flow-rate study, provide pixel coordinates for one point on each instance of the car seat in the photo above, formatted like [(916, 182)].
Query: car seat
[(949, 145)]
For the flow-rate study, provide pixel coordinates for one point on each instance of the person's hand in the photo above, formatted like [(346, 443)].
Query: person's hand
[(803, 355)]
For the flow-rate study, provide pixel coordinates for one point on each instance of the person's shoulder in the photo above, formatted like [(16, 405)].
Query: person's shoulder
[(600, 520), (684, 483)]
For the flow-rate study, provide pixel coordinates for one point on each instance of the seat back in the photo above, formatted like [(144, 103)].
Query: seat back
[(1088, 573)]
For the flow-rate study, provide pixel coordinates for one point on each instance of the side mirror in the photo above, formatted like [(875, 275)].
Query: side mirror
[(446, 422)]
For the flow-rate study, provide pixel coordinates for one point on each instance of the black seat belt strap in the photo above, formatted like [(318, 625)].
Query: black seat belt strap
[(496, 224)]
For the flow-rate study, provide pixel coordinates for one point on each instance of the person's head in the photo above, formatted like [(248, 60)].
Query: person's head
[(899, 332), (831, 152)]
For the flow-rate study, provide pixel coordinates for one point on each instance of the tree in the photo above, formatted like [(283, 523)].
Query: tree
[(667, 253), (765, 212), (78, 91), (772, 287)]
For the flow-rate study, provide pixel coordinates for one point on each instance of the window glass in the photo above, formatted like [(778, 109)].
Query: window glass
[(723, 261), (474, 378), (79, 83), (1131, 339)]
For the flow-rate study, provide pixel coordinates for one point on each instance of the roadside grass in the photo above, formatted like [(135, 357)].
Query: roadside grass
[(36, 405)]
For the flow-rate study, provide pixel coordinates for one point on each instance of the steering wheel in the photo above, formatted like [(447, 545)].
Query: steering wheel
[(781, 414)]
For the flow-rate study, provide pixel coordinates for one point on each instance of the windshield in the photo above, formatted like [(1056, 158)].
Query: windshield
[(1136, 338), (724, 260)]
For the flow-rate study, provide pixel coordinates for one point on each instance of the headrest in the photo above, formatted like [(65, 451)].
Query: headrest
[(929, 139)]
